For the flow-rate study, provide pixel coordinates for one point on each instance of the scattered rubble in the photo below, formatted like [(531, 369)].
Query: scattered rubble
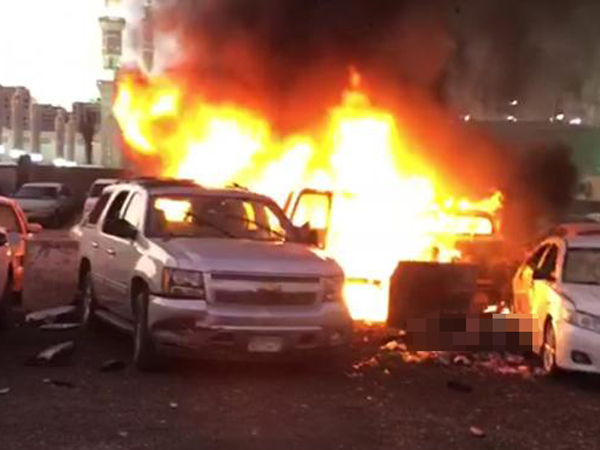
[(51, 354), (461, 360), (396, 350), (477, 432), (60, 326), (113, 365), (49, 315), (59, 383)]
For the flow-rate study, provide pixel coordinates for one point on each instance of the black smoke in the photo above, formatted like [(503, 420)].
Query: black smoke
[(423, 59)]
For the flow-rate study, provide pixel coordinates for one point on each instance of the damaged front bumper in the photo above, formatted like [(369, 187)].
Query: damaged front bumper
[(187, 327)]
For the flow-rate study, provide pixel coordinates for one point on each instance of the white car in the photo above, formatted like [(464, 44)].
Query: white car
[(559, 285), (190, 269), (47, 203), (94, 193)]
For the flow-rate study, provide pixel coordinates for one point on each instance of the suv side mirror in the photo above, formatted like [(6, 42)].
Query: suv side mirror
[(122, 229), (34, 228), (309, 236)]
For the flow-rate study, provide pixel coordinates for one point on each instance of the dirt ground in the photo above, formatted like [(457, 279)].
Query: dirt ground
[(218, 405)]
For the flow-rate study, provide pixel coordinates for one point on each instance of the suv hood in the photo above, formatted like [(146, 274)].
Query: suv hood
[(244, 256), (34, 204), (586, 297)]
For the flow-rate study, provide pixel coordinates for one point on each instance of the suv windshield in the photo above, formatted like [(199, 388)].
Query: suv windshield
[(582, 266), (37, 192), (97, 189), (210, 216)]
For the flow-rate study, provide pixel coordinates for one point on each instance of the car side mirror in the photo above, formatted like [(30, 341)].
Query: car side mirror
[(3, 239), (34, 228), (310, 236), (122, 229)]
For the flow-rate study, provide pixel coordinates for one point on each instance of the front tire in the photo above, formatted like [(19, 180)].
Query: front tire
[(86, 303), (549, 351), (145, 357)]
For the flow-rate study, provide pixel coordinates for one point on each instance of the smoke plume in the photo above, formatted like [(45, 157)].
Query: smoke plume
[(423, 59)]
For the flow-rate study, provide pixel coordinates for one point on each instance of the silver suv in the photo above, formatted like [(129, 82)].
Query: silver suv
[(188, 269)]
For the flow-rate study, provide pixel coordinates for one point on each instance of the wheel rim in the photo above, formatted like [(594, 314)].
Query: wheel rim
[(549, 349)]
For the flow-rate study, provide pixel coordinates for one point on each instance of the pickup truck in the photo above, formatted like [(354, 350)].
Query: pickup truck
[(471, 240)]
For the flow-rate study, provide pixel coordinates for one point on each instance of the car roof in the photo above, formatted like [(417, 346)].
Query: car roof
[(7, 201), (576, 229), (45, 184), (185, 187), (583, 241), (105, 180)]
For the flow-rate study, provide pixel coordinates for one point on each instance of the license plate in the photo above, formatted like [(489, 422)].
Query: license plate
[(265, 344)]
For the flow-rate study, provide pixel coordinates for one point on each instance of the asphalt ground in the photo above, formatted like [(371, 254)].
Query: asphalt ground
[(389, 403)]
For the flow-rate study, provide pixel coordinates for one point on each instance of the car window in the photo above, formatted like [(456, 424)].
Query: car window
[(41, 192), (9, 220), (312, 208), (534, 260), (135, 210), (98, 208), (114, 210), (201, 216), (582, 266), (97, 189), (548, 264)]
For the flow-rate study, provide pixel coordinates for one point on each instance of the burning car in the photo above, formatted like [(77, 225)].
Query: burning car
[(455, 234)]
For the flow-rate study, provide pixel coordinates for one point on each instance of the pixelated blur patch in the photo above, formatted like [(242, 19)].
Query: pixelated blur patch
[(473, 332)]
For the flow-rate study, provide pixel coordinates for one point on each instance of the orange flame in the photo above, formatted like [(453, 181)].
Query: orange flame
[(384, 205)]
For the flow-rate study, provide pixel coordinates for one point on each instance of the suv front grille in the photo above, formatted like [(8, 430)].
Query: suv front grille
[(265, 297)]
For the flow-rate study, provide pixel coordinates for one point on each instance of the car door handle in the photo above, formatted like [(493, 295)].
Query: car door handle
[(95, 245), (111, 252)]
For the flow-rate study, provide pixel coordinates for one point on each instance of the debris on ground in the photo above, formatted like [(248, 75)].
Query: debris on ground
[(123, 434), (477, 432), (174, 405), (49, 315), (395, 351), (60, 326), (459, 386), (4, 391), (461, 360), (59, 383), (53, 353), (113, 365)]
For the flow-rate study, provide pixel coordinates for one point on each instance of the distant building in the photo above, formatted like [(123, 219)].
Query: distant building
[(82, 108), (7, 94), (147, 38)]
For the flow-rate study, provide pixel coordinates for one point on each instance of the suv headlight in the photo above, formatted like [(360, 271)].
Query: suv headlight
[(183, 283), (333, 289), (580, 319)]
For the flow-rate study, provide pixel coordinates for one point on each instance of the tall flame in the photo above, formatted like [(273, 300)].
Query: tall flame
[(387, 205)]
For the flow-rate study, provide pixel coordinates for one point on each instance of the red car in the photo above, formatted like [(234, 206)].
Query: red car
[(13, 220)]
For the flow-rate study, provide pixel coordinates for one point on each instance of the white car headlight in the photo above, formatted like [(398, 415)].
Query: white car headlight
[(183, 283), (333, 289), (580, 319)]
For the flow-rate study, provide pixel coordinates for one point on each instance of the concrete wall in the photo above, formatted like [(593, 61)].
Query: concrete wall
[(79, 179)]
